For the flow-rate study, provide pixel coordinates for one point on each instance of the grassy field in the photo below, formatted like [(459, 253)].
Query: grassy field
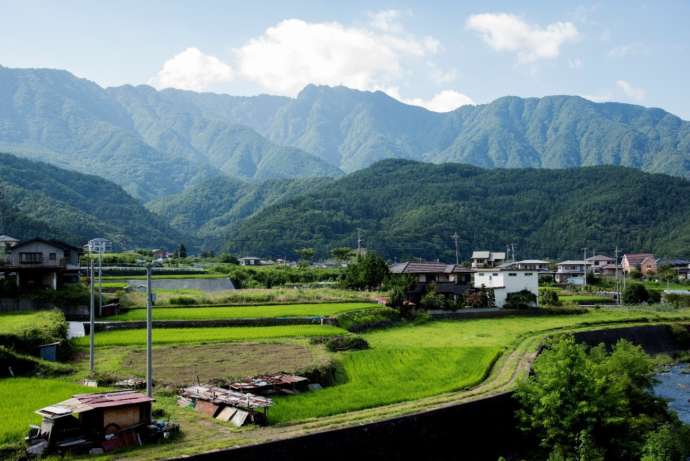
[(412, 362), (20, 323), (584, 299), (257, 296), (207, 335), (235, 312), (22, 396)]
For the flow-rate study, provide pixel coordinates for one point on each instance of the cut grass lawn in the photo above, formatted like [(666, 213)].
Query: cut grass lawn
[(235, 312), (22, 396), (207, 335)]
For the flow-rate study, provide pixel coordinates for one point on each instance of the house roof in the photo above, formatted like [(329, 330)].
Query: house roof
[(249, 257), (637, 258), (532, 261), (572, 262), (498, 255), (599, 258), (488, 255), (85, 402), (427, 268), (55, 243)]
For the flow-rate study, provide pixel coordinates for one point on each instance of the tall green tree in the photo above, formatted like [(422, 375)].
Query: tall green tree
[(366, 272)]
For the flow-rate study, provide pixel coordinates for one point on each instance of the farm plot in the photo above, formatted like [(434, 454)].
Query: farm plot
[(22, 396), (234, 312), (206, 335)]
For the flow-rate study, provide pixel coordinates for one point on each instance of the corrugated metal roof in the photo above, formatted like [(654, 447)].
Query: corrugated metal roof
[(480, 254), (84, 402)]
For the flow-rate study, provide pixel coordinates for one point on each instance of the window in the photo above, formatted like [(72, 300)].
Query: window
[(495, 275), (512, 274), (52, 256), (528, 274), (30, 258)]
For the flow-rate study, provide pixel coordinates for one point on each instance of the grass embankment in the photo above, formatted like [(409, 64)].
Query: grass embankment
[(254, 296), (204, 335), (412, 362), (22, 396), (49, 323), (239, 312)]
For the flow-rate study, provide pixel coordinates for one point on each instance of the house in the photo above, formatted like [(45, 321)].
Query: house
[(38, 262), (99, 245), (250, 261), (537, 265), (106, 420), (506, 281), (610, 270), (571, 271), (448, 279), (596, 263), (484, 259), (645, 263)]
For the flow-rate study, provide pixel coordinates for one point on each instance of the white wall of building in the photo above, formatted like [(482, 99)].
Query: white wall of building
[(506, 282)]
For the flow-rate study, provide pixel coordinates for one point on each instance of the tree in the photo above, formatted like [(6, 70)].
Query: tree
[(181, 251), (229, 259), (342, 253), (635, 293), (667, 443), (520, 300), (549, 298), (590, 403), (366, 272), (305, 254), (432, 300)]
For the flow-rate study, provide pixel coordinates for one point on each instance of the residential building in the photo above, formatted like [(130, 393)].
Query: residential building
[(6, 242), (42, 263), (506, 281), (645, 263), (448, 279), (571, 271), (538, 265), (484, 259), (596, 263), (250, 261)]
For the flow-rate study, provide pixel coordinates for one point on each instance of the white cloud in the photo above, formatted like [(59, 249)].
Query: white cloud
[(575, 63), (630, 91), (386, 20), (192, 70), (444, 101), (507, 32), (441, 76), (629, 49), (294, 53)]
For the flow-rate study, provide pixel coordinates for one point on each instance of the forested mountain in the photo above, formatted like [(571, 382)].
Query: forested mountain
[(409, 209), (353, 129), (37, 199), (184, 125), (212, 208)]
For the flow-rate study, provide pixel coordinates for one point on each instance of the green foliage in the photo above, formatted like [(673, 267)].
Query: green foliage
[(549, 298), (677, 299), (432, 300), (27, 365), (667, 443), (305, 254), (366, 272), (25, 331), (591, 404), (342, 253), (37, 199), (368, 319), (346, 343), (520, 300), (635, 293)]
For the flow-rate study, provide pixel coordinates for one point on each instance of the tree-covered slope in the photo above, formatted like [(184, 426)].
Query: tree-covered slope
[(176, 122), (410, 209), (37, 199), (353, 129), (212, 208), (53, 116)]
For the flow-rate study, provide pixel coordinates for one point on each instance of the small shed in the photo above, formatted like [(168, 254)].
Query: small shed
[(49, 351)]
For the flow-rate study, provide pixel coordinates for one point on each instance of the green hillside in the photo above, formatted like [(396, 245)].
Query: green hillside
[(408, 209), (37, 199)]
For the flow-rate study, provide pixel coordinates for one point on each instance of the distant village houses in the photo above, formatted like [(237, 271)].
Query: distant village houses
[(506, 281), (644, 263), (484, 259)]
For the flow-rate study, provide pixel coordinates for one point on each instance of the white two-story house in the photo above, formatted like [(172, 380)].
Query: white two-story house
[(506, 281)]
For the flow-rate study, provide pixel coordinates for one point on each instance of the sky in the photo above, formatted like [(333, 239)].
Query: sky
[(439, 55)]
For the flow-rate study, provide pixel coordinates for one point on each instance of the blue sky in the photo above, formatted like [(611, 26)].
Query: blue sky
[(435, 54)]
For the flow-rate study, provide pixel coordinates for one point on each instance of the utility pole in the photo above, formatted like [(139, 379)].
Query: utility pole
[(512, 252), (359, 242), (149, 333), (584, 260), (100, 282), (618, 286), (455, 237), (92, 322)]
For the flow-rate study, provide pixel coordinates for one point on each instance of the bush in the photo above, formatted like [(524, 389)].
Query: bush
[(520, 300), (368, 319), (346, 343), (549, 298), (635, 293), (678, 300), (432, 300), (184, 301), (366, 272), (397, 297)]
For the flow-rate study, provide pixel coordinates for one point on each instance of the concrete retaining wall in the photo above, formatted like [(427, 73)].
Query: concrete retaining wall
[(129, 325)]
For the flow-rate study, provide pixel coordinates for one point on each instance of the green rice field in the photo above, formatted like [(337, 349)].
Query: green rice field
[(204, 335), (236, 312), (22, 396)]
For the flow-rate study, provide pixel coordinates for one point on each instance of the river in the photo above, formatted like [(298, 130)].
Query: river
[(674, 386)]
